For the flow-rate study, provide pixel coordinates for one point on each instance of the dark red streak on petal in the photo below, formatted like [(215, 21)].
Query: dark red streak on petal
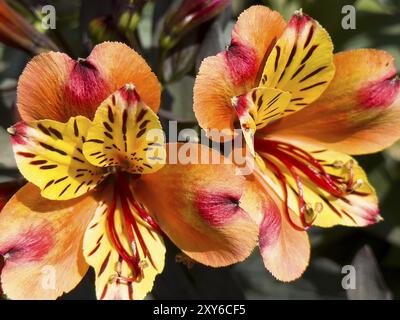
[(85, 87), (217, 208), (270, 227), (30, 245), (380, 94), (241, 62)]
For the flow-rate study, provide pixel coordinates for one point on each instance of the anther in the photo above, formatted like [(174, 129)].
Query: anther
[(350, 165), (318, 207), (143, 264), (338, 164), (299, 12), (309, 214), (11, 131), (358, 184), (234, 101), (129, 87)]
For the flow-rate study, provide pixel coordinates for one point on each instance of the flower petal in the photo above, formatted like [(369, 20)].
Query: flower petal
[(259, 27), (41, 241), (358, 207), (258, 108), (359, 112), (54, 86), (49, 154), (126, 133), (111, 270), (43, 99), (119, 64), (199, 206), (234, 72), (301, 62), (285, 250)]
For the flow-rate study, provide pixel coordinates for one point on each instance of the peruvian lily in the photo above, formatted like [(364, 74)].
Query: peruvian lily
[(101, 192), (303, 111)]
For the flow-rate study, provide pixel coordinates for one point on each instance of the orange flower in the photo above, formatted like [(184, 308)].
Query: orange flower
[(303, 111), (101, 191)]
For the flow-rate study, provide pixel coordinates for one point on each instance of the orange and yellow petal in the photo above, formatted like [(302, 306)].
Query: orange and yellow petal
[(115, 278), (359, 113), (125, 133), (119, 64), (199, 206), (301, 62), (284, 249), (41, 242), (258, 108), (54, 86), (40, 87), (259, 27), (213, 91), (345, 198), (49, 154), (234, 72)]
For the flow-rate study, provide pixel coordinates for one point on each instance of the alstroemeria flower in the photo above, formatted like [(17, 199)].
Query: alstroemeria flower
[(303, 111), (101, 191)]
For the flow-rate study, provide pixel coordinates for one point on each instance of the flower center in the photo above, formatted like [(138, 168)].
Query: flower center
[(281, 156), (131, 211)]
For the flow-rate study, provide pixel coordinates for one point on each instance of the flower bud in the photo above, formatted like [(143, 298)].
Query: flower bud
[(17, 32), (189, 15)]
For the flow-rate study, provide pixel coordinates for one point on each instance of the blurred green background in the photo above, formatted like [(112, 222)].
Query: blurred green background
[(175, 53)]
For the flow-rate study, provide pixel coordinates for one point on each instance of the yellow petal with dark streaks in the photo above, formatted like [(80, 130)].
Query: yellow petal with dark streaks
[(257, 108), (111, 270), (49, 154), (126, 133), (301, 62), (358, 206)]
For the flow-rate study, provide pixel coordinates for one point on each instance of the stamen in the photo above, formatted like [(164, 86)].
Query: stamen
[(263, 183), (318, 207), (123, 194), (295, 159), (358, 184), (132, 261)]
